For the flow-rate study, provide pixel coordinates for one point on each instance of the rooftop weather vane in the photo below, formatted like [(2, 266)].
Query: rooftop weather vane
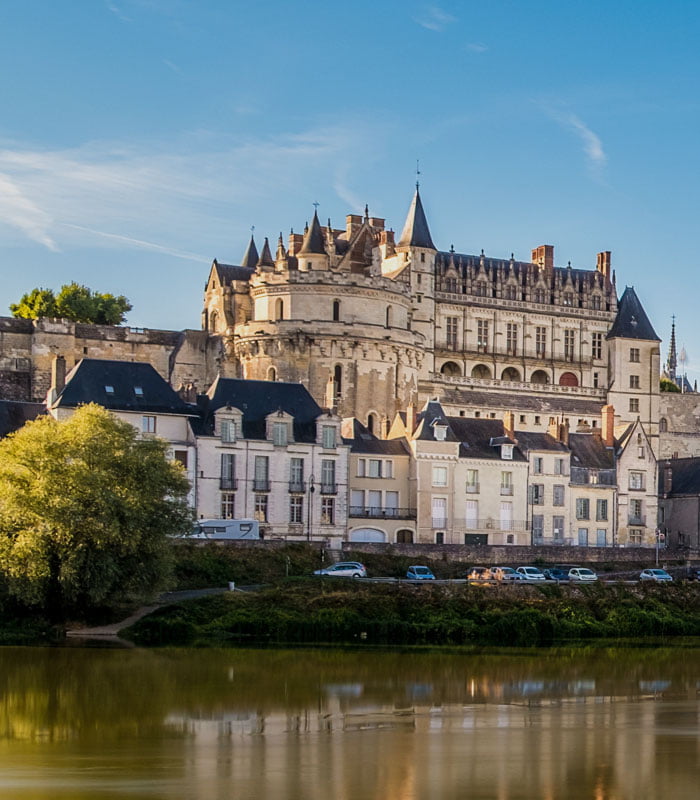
[(316, 205), (417, 172)]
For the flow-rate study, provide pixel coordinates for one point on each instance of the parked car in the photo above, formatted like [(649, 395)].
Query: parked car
[(556, 574), (478, 574), (504, 574), (344, 569), (657, 575), (531, 573), (582, 575), (418, 573)]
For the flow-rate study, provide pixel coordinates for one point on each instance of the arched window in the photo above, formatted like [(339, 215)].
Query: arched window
[(539, 376), (338, 378), (279, 309), (568, 379), (510, 374), (271, 374), (213, 319), (663, 425), (404, 537), (389, 315), (450, 369), (481, 371), (336, 311), (372, 423)]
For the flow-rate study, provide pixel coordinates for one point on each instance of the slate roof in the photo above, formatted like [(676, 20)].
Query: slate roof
[(266, 259), (313, 239), (250, 257), (415, 231), (14, 414), (536, 440), (365, 442), (631, 321), (685, 476), (517, 401), (256, 400), (431, 415), (480, 438), (87, 382), (228, 272), (588, 450)]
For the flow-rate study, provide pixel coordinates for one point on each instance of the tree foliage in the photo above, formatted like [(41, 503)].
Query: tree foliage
[(86, 506), (74, 302), (667, 385)]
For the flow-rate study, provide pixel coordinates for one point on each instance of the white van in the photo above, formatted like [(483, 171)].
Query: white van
[(225, 529)]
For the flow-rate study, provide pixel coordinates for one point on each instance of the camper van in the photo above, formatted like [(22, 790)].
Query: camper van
[(226, 529)]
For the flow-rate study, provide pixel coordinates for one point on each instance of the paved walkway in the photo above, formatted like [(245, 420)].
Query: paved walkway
[(166, 599)]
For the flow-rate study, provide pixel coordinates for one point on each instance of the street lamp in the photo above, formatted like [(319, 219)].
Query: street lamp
[(309, 510)]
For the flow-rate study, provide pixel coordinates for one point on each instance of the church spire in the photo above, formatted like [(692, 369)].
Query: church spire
[(313, 239), (672, 361), (416, 232), (250, 257)]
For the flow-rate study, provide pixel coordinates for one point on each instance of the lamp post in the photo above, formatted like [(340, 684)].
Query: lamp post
[(309, 510)]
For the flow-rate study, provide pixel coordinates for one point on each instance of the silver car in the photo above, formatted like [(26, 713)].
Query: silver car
[(582, 574), (531, 573), (656, 575), (344, 569)]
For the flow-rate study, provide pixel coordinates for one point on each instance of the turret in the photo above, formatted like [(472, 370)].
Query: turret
[(312, 254), (265, 262), (250, 257)]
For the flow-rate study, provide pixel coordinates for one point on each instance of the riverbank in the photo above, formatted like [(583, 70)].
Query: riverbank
[(335, 611)]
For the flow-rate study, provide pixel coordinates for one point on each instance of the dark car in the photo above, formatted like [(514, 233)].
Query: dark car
[(556, 574)]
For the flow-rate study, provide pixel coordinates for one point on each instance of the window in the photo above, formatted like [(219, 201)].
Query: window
[(511, 338), (558, 527), (261, 481), (634, 355), (109, 389), (583, 508), (559, 466), (597, 345), (472, 481), (328, 437), (558, 494), (635, 537), (482, 335), (506, 516), (138, 391), (279, 309), (481, 289), (601, 537), (388, 469), (540, 296), (261, 507), (507, 452), (540, 341), (538, 465), (375, 468), (181, 457), (228, 471), (328, 511), (328, 475), (583, 537), (634, 381), (569, 339), (296, 509), (439, 510), (596, 302), (511, 292), (228, 500), (279, 434), (634, 405), (538, 525), (506, 483), (601, 510), (361, 467), (336, 310), (148, 424), (636, 480), (439, 476), (391, 503), (596, 380), (568, 298), (296, 475), (228, 430), (537, 494), (451, 326), (439, 538), (471, 514), (663, 425), (636, 510), (338, 378)]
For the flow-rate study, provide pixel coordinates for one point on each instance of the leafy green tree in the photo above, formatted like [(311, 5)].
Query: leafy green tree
[(35, 304), (86, 506), (667, 385), (74, 302)]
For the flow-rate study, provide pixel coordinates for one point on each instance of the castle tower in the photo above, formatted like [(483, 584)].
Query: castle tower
[(312, 255)]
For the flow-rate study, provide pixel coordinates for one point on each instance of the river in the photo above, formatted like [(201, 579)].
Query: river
[(79, 723)]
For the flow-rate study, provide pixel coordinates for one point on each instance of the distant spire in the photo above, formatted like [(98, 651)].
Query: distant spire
[(313, 238), (250, 257), (416, 232), (281, 252), (672, 361), (265, 259)]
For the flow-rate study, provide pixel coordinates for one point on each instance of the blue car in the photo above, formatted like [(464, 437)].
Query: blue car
[(417, 573)]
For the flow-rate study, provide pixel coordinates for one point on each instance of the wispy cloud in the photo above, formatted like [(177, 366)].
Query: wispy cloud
[(434, 18), (592, 144), (173, 67), (117, 11), (21, 214), (476, 47)]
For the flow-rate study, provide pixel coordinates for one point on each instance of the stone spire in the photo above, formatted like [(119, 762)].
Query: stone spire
[(313, 239), (265, 259), (250, 258), (416, 232), (281, 252), (672, 361)]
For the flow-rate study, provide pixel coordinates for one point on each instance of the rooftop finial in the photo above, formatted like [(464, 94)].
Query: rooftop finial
[(417, 174), (366, 212)]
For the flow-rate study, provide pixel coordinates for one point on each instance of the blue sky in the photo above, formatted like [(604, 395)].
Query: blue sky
[(140, 139)]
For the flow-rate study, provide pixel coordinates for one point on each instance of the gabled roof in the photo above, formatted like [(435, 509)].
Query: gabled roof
[(415, 231), (228, 273), (631, 321), (588, 450), (482, 438), (313, 239), (362, 441), (685, 476), (432, 415), (537, 440), (15, 413), (250, 257), (256, 400), (136, 386)]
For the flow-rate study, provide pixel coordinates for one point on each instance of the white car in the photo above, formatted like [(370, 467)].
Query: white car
[(504, 574), (344, 569), (656, 575), (531, 573), (582, 574)]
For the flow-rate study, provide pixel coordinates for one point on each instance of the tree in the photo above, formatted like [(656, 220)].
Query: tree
[(86, 506), (74, 302), (667, 385)]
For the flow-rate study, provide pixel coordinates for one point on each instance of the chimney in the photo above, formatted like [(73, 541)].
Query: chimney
[(559, 430), (384, 428), (543, 256), (295, 242), (377, 222), (330, 394), (608, 413), (509, 424), (410, 419), (603, 264), (188, 392), (353, 222), (386, 243), (58, 379)]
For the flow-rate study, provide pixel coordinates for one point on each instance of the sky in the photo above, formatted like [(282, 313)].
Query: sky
[(141, 139)]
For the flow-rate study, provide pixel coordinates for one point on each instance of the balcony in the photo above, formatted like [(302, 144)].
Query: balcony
[(297, 487), (639, 520), (507, 490), (472, 488), (439, 522), (562, 542), (329, 488), (261, 484), (228, 483), (374, 512), (581, 476)]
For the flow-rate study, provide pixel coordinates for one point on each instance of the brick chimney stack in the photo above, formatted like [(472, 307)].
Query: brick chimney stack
[(58, 379), (559, 430), (509, 424), (411, 418), (608, 413), (603, 264), (384, 428), (543, 256)]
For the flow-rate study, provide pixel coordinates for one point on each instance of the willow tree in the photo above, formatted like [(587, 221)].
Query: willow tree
[(86, 506)]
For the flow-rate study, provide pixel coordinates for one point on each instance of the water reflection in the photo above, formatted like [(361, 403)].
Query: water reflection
[(599, 723)]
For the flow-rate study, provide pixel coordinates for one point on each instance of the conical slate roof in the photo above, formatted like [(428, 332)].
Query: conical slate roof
[(250, 257), (631, 321), (416, 232), (313, 239), (265, 259)]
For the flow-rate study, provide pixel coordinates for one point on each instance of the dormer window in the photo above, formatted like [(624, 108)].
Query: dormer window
[(109, 389), (279, 434), (228, 430), (138, 391), (439, 432), (328, 436), (507, 452)]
